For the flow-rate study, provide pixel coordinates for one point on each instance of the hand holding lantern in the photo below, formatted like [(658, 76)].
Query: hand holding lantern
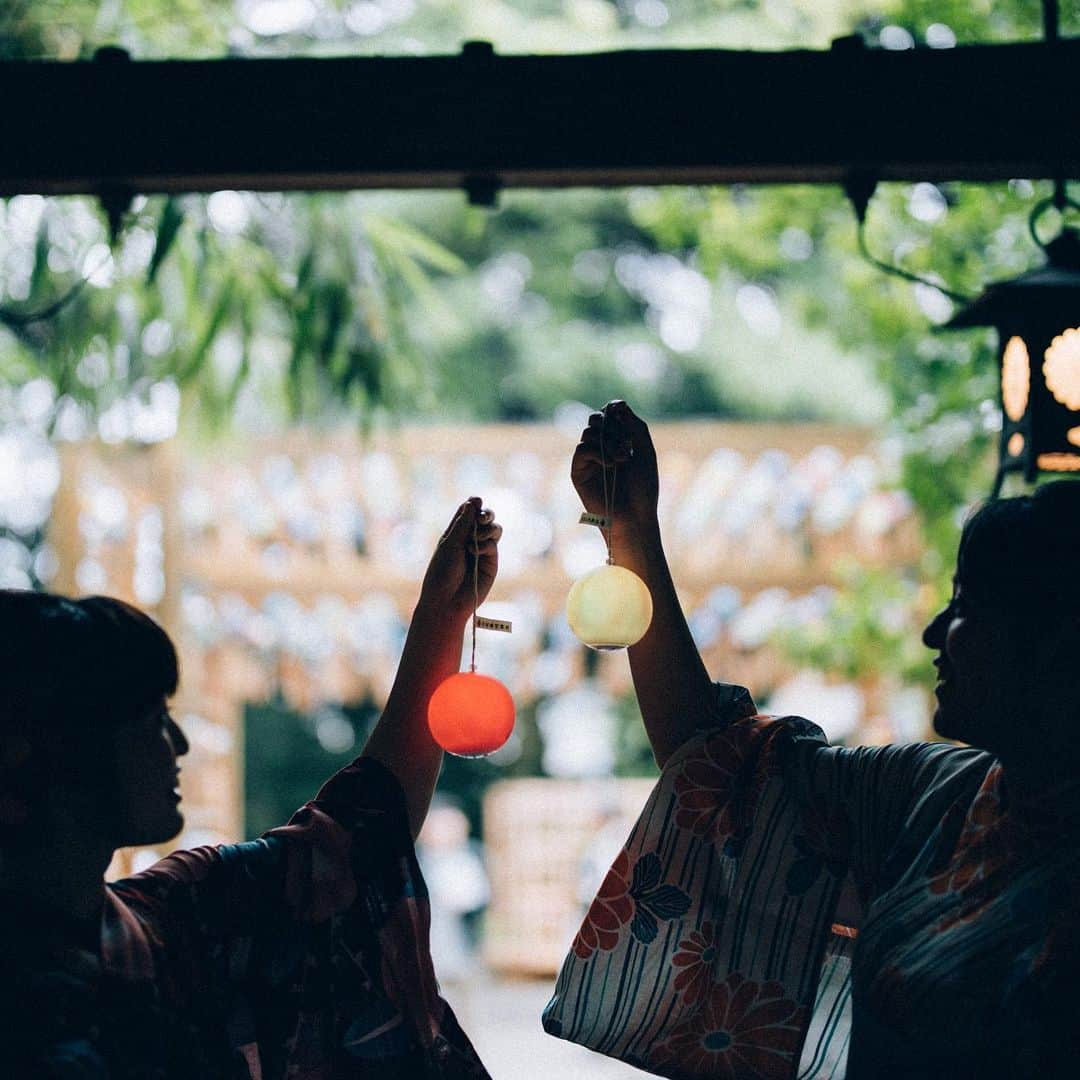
[(469, 714), (618, 439), (610, 607)]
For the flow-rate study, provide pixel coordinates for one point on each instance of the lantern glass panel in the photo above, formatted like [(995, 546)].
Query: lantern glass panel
[(1015, 377), (1058, 462)]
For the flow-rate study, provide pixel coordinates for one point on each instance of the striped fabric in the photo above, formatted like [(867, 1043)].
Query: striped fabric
[(753, 908)]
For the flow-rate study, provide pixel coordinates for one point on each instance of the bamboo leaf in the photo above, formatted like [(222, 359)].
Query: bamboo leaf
[(303, 335), (172, 218), (363, 372), (268, 273), (247, 333), (218, 313), (396, 236), (335, 311), (40, 273), (399, 264), (241, 376), (305, 270)]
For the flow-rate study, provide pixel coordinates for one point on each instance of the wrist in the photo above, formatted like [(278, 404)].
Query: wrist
[(439, 617), (635, 537)]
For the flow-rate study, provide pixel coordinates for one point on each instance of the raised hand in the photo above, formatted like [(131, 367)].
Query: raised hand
[(672, 684), (617, 441), (401, 739), (471, 540)]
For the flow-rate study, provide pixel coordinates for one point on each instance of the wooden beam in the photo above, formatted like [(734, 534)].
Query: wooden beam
[(984, 112)]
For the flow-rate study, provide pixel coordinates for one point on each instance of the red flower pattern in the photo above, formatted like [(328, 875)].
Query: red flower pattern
[(611, 910), (696, 957), (743, 1030), (718, 787), (983, 845)]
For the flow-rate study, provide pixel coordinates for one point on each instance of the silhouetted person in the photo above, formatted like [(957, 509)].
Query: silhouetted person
[(302, 954), (788, 908)]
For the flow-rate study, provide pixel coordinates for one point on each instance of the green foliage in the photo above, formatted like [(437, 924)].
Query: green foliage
[(74, 29), (870, 630), (975, 20), (285, 763), (262, 306), (633, 754), (68, 29), (197, 28), (300, 303), (590, 295), (942, 387)]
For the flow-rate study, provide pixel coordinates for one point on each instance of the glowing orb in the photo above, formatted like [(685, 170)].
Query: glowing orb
[(609, 608), (471, 715)]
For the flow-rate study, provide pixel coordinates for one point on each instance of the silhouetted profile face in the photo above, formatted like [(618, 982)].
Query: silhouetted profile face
[(982, 677), (83, 691), (1008, 642), (145, 777)]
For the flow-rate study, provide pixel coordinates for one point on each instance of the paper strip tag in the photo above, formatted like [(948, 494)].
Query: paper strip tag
[(598, 520), (494, 624)]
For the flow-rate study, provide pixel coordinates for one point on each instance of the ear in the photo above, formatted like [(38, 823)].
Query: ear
[(1060, 658)]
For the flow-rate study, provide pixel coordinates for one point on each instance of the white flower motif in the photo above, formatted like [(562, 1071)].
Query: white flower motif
[(1062, 368)]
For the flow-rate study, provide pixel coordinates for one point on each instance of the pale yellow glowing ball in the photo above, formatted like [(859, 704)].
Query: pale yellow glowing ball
[(609, 608)]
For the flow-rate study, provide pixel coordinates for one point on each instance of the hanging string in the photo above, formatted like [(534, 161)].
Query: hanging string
[(475, 588), (859, 188), (900, 272), (609, 498), (1050, 20), (1059, 201)]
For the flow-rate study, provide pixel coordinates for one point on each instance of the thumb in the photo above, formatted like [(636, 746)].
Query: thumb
[(464, 521)]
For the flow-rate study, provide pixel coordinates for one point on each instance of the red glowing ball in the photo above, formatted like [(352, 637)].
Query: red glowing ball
[(471, 715)]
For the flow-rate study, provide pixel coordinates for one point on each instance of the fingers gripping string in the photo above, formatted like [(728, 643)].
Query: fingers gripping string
[(502, 625), (475, 588)]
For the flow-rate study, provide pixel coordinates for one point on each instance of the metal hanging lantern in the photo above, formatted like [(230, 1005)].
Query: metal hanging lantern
[(1037, 317)]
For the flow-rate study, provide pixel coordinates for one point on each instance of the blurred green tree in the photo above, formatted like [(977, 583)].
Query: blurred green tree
[(684, 300)]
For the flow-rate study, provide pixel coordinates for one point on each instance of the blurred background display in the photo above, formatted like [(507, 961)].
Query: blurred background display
[(252, 414)]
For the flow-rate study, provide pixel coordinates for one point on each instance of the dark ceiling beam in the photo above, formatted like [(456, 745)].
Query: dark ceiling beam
[(984, 112)]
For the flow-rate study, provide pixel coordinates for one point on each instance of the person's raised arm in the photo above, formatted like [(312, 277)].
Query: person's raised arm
[(672, 685), (401, 740)]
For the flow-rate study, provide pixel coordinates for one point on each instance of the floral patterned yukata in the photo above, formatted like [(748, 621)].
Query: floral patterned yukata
[(302, 955), (785, 909)]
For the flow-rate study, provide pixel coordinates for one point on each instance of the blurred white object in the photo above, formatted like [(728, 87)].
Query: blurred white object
[(458, 884), (837, 710), (579, 730)]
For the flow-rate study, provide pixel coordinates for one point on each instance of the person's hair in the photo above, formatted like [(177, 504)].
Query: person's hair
[(1019, 555), (68, 662), (71, 672)]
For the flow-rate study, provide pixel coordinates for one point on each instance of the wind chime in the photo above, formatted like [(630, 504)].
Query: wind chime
[(610, 607), (472, 715)]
